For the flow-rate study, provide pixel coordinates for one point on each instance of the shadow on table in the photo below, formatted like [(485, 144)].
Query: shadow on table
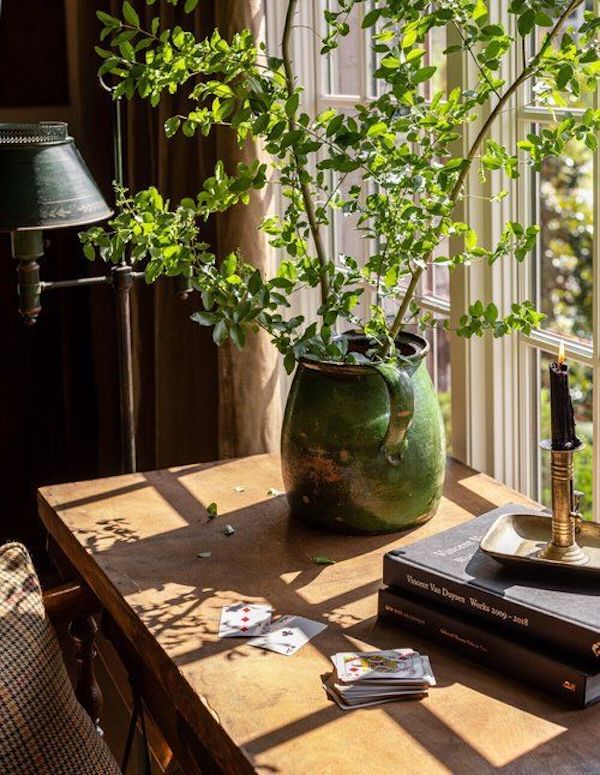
[(179, 595)]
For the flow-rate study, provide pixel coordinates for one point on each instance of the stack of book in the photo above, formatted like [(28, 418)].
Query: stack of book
[(543, 629)]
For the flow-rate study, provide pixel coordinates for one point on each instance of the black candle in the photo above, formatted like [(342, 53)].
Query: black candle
[(563, 420)]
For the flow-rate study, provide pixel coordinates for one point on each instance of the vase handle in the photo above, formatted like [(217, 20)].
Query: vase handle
[(402, 407)]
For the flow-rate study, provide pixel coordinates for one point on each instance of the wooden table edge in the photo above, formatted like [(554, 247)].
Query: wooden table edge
[(207, 727)]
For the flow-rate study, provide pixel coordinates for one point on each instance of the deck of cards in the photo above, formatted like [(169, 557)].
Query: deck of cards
[(253, 620), (361, 680)]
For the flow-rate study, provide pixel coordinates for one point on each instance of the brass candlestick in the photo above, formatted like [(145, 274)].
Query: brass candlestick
[(563, 547), (530, 540)]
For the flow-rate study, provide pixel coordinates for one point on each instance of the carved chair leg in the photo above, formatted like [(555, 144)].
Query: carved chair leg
[(83, 631)]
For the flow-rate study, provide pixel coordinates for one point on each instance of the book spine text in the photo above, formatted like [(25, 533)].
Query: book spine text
[(509, 615), (466, 638)]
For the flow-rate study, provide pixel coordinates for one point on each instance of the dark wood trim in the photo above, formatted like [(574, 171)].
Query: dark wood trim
[(75, 603), (182, 731), (63, 602)]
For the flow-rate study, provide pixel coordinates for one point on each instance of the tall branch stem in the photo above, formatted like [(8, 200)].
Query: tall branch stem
[(528, 70), (306, 195)]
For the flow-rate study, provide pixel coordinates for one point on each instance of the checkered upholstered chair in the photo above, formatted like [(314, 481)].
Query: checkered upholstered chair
[(44, 729)]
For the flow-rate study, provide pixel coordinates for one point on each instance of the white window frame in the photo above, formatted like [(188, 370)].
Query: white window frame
[(502, 377), (545, 341), (307, 68), (494, 384)]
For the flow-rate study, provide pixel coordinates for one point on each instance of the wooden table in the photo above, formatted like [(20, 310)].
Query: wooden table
[(135, 539)]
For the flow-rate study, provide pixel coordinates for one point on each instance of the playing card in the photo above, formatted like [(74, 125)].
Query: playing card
[(395, 664), (288, 634), (243, 620), (346, 703)]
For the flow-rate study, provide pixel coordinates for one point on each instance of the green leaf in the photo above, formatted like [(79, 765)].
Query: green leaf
[(289, 362), (255, 282), (491, 313), (190, 5), (212, 510), (470, 239), (335, 124), (543, 20), (371, 18), (208, 300), (424, 74), (172, 125), (323, 559), (291, 138), (228, 265), (291, 105), (526, 22), (238, 336), (409, 39), (220, 333), (130, 14), (390, 63), (477, 309), (480, 10), (204, 318), (564, 76), (108, 21), (454, 164), (375, 130), (261, 123)]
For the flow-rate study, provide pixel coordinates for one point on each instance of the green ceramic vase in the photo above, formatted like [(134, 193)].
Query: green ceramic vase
[(363, 447)]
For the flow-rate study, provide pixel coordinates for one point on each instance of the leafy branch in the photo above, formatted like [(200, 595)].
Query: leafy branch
[(389, 164), (525, 74)]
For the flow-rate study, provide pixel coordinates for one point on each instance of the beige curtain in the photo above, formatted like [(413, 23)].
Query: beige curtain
[(190, 397), (249, 394)]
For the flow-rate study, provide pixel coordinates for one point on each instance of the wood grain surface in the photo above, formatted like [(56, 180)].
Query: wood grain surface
[(135, 539)]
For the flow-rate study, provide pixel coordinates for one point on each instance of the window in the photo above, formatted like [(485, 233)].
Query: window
[(562, 199), (499, 410), (341, 80)]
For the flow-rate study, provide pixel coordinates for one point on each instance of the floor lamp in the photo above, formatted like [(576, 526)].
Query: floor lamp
[(45, 184)]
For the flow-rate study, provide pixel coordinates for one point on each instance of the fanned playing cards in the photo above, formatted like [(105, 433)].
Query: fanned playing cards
[(253, 620), (370, 678)]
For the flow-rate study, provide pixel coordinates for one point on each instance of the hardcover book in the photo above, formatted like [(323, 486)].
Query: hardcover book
[(571, 680), (560, 611)]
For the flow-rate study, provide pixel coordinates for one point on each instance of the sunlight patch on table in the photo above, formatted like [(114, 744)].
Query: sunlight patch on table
[(521, 733), (343, 737)]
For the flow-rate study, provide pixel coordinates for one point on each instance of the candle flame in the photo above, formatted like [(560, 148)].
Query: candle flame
[(561, 353)]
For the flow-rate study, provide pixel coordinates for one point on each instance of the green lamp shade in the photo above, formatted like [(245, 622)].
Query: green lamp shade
[(44, 182)]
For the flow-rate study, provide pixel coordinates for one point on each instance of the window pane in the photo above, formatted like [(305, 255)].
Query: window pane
[(341, 72), (438, 363), (347, 239), (581, 393), (543, 93), (436, 280), (435, 45), (564, 195)]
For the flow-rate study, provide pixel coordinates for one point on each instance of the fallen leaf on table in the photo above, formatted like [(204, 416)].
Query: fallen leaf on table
[(323, 559), (275, 492), (212, 510), (228, 530), (239, 489), (204, 555)]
